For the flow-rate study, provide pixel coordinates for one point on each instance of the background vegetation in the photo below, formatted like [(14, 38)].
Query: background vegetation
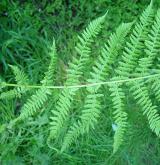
[(27, 28)]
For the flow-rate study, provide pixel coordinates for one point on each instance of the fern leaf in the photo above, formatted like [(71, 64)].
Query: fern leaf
[(156, 87), (100, 71), (38, 99), (153, 40), (34, 103), (20, 76), (88, 119), (151, 44), (17, 92), (103, 65), (21, 79), (75, 71), (140, 89), (134, 48), (87, 38), (49, 75), (119, 114), (140, 93)]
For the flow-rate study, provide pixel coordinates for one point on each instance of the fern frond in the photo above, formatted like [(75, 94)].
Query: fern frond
[(156, 88), (140, 90), (75, 71), (87, 38), (21, 79), (143, 66), (151, 47), (153, 40), (100, 72), (103, 65), (20, 76), (34, 103), (137, 59), (38, 99), (140, 93), (17, 92), (87, 121), (120, 115), (134, 48), (49, 75)]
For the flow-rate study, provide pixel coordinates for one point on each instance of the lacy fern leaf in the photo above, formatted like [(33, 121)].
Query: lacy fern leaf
[(120, 115), (134, 48), (100, 71), (34, 103), (140, 93), (140, 90), (21, 79), (74, 73), (88, 119), (49, 75), (37, 100), (152, 45)]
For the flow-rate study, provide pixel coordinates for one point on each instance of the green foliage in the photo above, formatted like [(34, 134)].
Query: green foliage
[(21, 79), (135, 46), (119, 114), (75, 72), (38, 99), (115, 123), (100, 71)]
